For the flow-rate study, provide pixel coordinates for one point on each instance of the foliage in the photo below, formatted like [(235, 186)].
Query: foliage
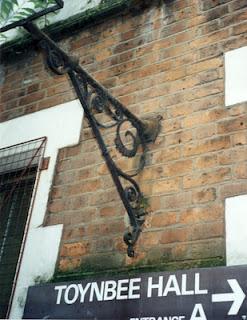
[(14, 10)]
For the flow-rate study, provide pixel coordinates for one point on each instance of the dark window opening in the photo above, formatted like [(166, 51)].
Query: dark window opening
[(19, 166)]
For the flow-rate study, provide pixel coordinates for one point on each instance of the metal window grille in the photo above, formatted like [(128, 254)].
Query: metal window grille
[(19, 167)]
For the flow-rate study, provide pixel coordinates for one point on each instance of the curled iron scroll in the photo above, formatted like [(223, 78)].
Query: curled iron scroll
[(99, 103)]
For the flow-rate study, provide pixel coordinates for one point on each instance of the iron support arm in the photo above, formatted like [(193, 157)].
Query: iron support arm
[(95, 100)]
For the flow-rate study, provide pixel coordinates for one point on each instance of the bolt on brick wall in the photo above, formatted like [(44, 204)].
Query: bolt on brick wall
[(166, 59)]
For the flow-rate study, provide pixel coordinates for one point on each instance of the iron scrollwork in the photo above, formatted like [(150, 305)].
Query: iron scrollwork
[(98, 103)]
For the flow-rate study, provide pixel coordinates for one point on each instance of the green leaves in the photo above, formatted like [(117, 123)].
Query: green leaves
[(38, 4), (14, 10), (6, 7)]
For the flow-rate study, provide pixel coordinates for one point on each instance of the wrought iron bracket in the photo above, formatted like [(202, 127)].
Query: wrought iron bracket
[(96, 101)]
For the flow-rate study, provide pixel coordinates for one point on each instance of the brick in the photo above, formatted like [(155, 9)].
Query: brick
[(241, 28), (99, 229), (107, 182), (207, 230), (176, 201), (225, 157), (73, 233), (56, 80), (82, 215), (240, 170), (205, 131), (150, 239), (171, 125), (207, 161), (217, 12), (73, 151), (74, 249), (65, 178), (234, 18), (232, 125), (33, 97), (211, 51), (185, 36), (166, 186), (155, 204), (103, 197), (179, 110), (54, 101), (238, 109), (209, 27), (79, 202), (61, 88), (131, 44), (171, 75), (58, 193), (234, 43), (206, 90), (33, 88), (175, 235), (204, 65), (209, 39), (103, 245), (108, 212), (57, 206), (179, 137), (82, 42), (13, 114), (184, 84), (174, 51), (169, 154), (204, 195), (181, 62), (53, 219), (239, 139), (84, 187), (206, 146), (211, 177), (128, 34), (173, 99), (164, 219), (233, 189), (207, 103), (119, 245), (239, 153), (178, 168), (31, 108), (201, 214), (68, 264), (149, 105), (209, 76), (236, 5), (199, 250), (151, 173), (12, 104), (209, 4)]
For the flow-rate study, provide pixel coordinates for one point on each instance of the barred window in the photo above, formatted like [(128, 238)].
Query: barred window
[(19, 167)]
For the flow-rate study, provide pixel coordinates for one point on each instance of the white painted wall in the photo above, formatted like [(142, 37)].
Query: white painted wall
[(62, 126), (236, 76), (236, 230), (236, 207)]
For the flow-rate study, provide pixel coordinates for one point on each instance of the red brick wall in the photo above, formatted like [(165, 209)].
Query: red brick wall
[(164, 59)]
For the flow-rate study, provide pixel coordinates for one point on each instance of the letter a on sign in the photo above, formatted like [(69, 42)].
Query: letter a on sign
[(198, 313)]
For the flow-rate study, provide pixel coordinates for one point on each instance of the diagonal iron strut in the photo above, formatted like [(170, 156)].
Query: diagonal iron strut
[(94, 98)]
